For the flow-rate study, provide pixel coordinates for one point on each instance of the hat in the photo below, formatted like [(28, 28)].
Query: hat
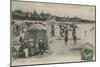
[(31, 40), (41, 40), (24, 30)]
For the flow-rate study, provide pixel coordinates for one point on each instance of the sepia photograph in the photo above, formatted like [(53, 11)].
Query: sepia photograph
[(52, 33)]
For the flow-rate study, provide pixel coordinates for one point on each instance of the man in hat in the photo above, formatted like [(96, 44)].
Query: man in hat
[(62, 30), (41, 47), (23, 50), (31, 48)]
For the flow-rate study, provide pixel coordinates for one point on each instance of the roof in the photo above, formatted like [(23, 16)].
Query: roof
[(36, 27)]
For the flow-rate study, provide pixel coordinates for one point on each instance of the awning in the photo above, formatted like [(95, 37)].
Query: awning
[(36, 27)]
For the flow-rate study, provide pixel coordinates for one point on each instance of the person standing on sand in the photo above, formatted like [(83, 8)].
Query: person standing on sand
[(52, 30), (74, 38), (23, 50), (41, 47), (26, 52), (74, 34), (66, 37), (31, 47), (85, 32), (92, 29)]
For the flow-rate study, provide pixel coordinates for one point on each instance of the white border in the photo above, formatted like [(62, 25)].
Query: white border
[(5, 33)]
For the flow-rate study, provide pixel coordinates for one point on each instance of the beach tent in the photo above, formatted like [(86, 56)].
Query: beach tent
[(37, 32)]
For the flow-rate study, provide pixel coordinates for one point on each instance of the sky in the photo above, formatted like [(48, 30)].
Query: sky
[(84, 12)]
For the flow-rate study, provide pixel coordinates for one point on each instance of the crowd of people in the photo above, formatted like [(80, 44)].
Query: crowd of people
[(65, 28), (30, 48)]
